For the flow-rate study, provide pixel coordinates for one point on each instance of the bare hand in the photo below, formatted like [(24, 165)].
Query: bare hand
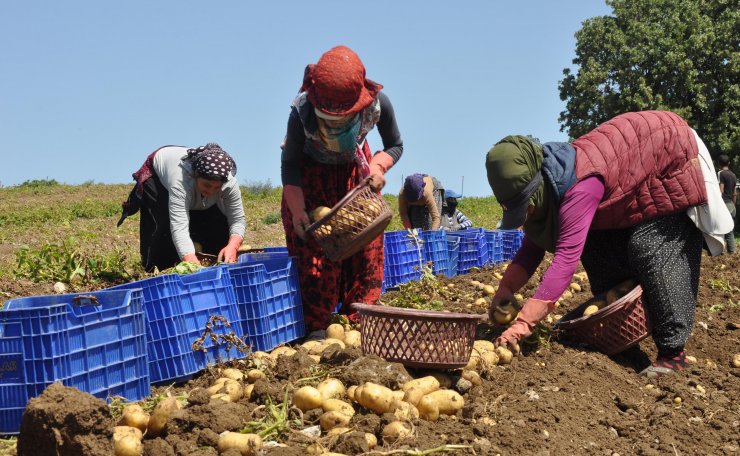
[(191, 258), (502, 297), (228, 254), (300, 223), (377, 182)]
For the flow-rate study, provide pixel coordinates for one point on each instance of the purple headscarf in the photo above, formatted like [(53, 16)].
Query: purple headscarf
[(211, 162), (413, 187)]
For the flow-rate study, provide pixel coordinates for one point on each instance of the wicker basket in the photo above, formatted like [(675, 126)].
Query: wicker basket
[(353, 223), (416, 338), (613, 329)]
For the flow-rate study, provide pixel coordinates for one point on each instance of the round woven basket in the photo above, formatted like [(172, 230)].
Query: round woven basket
[(353, 223), (613, 329), (417, 338)]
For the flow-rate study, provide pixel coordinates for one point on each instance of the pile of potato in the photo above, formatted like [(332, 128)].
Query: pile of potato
[(599, 302)]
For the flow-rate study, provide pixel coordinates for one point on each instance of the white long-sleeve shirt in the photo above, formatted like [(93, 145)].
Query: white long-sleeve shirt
[(177, 177)]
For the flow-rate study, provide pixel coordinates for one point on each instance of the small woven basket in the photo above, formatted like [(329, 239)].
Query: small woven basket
[(613, 329), (353, 223), (417, 338)]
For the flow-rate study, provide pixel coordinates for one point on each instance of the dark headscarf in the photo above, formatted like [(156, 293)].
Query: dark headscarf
[(511, 165), (413, 187), (211, 162)]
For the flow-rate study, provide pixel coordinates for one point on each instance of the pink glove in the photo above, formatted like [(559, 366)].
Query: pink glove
[(532, 312), (294, 199), (229, 252), (379, 165), (191, 258)]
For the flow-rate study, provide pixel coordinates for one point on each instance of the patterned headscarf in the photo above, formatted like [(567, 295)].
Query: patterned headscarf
[(211, 162), (413, 187)]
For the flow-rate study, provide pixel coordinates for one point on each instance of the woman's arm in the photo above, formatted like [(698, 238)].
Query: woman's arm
[(577, 211), (428, 200)]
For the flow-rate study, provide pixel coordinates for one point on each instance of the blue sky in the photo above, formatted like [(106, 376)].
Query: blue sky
[(89, 88)]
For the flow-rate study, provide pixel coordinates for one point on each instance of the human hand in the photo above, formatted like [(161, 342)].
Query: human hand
[(191, 258), (230, 252), (377, 182), (533, 311), (503, 296), (510, 338), (300, 223)]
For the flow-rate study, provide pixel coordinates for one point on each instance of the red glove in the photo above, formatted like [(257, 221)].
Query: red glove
[(294, 199), (532, 312), (228, 253), (379, 165)]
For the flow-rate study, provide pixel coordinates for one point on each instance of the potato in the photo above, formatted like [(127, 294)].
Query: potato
[(448, 402), (217, 385), (567, 294), (444, 380), (474, 283), (592, 309), (398, 395), (221, 397), (318, 213), (160, 416), (489, 290), (481, 302), (351, 393), (122, 431), (489, 359), (338, 431), (262, 356), (330, 420), (338, 405), (316, 358), (331, 387), (376, 397), (396, 430), (128, 445), (233, 374), (330, 341), (255, 374), (426, 384), (483, 345), (371, 440), (405, 411), (504, 314), (575, 287), (504, 355), (736, 360), (247, 444), (311, 345), (353, 339), (473, 361), (283, 350), (234, 390), (335, 331), (307, 398), (428, 409), (247, 391), (135, 416), (413, 396), (472, 376)]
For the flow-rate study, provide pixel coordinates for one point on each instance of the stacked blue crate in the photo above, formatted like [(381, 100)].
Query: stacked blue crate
[(95, 342), (495, 241), (177, 309), (404, 258), (453, 252), (435, 251), (473, 249), (511, 242)]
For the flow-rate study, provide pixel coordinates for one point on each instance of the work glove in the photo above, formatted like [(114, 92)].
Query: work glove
[(533, 311), (191, 258), (515, 277), (294, 199), (379, 165), (228, 254)]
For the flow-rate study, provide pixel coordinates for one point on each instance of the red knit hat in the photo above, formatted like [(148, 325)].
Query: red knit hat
[(337, 85)]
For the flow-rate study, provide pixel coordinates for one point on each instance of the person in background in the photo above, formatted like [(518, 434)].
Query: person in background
[(186, 196), (420, 202), (324, 156), (728, 188), (452, 218), (630, 199)]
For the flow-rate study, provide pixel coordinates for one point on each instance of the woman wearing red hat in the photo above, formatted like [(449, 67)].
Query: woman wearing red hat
[(325, 155)]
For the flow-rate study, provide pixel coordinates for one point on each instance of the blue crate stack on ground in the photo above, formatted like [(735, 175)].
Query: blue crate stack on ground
[(404, 257), (453, 253), (177, 309), (495, 241), (268, 298), (95, 342), (473, 249), (435, 251), (512, 241)]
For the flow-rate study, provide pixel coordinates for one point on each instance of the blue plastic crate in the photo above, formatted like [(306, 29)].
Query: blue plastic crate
[(473, 249), (512, 241), (435, 250), (177, 309), (95, 342), (404, 257), (453, 252), (268, 298), (495, 241)]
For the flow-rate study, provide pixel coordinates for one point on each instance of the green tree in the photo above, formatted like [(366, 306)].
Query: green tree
[(678, 55)]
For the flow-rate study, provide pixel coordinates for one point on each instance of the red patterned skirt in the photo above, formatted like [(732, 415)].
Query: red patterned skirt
[(326, 283)]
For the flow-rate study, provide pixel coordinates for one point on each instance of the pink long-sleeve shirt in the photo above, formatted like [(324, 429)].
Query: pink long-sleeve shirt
[(577, 210)]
